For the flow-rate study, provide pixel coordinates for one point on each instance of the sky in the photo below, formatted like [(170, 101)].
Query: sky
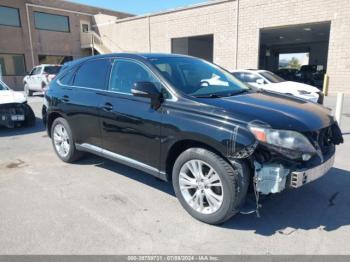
[(139, 6)]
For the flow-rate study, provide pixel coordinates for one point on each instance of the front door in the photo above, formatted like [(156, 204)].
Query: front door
[(130, 127)]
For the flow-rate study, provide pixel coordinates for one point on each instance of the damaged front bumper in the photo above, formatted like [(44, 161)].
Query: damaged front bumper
[(12, 115), (299, 178), (276, 177)]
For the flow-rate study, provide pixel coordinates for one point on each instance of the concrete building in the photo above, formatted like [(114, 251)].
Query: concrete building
[(33, 32), (244, 34), (235, 34)]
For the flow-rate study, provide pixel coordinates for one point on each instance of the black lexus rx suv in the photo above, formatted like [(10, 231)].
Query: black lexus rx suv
[(190, 122)]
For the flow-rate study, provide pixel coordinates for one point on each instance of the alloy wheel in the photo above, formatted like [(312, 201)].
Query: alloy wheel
[(61, 140), (201, 186)]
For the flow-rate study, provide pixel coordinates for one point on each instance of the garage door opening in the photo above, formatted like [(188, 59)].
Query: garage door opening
[(291, 50), (198, 46)]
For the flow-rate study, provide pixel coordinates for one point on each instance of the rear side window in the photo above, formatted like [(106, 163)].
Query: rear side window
[(52, 70), (252, 78), (239, 76), (93, 74), (67, 78)]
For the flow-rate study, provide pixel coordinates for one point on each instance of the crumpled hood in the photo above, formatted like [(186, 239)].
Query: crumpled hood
[(289, 86), (10, 96), (279, 111)]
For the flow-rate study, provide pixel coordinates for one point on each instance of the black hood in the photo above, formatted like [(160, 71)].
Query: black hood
[(279, 111)]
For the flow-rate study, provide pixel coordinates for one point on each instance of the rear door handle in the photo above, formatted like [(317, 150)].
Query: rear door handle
[(65, 98), (107, 107)]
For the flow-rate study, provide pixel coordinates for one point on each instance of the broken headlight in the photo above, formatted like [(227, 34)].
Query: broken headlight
[(290, 143)]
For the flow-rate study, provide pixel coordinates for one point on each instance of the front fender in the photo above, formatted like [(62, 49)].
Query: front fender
[(228, 138)]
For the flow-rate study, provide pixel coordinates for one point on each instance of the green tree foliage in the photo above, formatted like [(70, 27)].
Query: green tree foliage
[(294, 63)]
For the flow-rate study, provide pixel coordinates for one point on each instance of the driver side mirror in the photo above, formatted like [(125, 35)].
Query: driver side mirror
[(260, 81), (148, 89)]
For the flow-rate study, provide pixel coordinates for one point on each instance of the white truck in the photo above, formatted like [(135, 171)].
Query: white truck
[(39, 78)]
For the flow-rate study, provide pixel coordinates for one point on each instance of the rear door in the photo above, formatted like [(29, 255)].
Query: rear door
[(130, 127), (82, 100)]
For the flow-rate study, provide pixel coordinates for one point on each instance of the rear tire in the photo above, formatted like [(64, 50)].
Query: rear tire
[(63, 142), (220, 190)]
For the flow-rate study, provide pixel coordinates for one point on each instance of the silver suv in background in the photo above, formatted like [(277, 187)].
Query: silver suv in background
[(39, 78)]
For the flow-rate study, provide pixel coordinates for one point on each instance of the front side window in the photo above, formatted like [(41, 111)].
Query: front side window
[(37, 71), (93, 74), (45, 21), (126, 73), (12, 65), (197, 77), (9, 16)]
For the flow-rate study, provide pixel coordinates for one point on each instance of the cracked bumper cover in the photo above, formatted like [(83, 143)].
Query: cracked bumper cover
[(301, 177), (276, 177), (10, 114)]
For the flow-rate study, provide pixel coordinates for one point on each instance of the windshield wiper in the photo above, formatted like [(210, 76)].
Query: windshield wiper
[(238, 92), (208, 96)]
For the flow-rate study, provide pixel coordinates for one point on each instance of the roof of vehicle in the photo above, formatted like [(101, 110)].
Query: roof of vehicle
[(49, 65), (249, 70), (129, 55)]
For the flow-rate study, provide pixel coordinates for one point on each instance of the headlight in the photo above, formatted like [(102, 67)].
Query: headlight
[(303, 92), (283, 139)]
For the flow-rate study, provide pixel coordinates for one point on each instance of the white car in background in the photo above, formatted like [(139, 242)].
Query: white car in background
[(39, 78), (14, 109), (269, 81)]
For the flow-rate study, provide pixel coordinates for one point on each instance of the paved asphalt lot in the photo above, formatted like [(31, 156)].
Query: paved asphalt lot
[(99, 207)]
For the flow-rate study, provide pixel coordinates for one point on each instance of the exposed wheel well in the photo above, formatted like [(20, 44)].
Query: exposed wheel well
[(50, 120), (180, 147)]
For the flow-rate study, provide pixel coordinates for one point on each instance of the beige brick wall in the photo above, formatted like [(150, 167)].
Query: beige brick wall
[(220, 19), (154, 33)]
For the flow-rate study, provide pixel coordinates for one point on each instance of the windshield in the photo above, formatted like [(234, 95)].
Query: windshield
[(197, 77), (272, 77), (52, 70), (3, 86)]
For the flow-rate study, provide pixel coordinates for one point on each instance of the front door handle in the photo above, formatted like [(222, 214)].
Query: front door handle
[(107, 107)]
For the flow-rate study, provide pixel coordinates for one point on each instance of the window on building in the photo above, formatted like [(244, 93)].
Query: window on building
[(85, 28), (12, 65), (93, 74), (54, 59), (9, 16), (44, 21)]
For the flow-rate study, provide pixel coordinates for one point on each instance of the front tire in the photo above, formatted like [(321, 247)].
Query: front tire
[(208, 187), (63, 142)]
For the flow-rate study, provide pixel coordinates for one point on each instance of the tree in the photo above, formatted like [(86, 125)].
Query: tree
[(294, 63)]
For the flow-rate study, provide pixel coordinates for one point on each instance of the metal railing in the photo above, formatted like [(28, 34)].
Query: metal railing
[(92, 40)]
